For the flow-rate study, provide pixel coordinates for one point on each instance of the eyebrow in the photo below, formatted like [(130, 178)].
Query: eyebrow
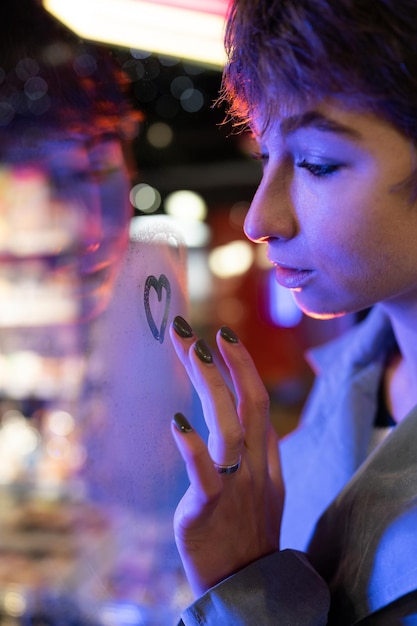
[(318, 121)]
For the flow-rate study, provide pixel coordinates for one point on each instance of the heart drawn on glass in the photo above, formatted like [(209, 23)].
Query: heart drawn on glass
[(160, 285)]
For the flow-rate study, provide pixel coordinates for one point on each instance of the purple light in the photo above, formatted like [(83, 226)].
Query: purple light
[(282, 308)]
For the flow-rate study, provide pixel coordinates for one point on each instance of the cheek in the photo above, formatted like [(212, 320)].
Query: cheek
[(353, 258), (339, 224), (361, 260)]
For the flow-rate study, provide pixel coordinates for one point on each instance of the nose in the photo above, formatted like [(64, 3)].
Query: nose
[(271, 214)]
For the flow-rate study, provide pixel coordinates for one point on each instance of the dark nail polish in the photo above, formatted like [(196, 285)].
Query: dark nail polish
[(182, 328), (228, 334), (181, 423), (203, 351)]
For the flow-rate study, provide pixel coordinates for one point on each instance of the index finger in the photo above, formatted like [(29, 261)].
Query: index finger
[(219, 407), (251, 395)]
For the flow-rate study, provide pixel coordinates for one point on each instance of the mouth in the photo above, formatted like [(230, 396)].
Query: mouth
[(291, 277)]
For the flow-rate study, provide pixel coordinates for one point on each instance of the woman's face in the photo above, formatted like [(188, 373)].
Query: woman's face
[(340, 227), (66, 207)]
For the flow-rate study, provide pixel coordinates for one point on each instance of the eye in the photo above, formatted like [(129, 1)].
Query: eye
[(319, 169)]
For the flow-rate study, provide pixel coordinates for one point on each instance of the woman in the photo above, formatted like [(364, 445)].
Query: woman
[(330, 92)]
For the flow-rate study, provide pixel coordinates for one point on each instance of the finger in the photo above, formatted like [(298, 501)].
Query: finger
[(182, 338), (252, 396), (183, 341), (205, 481), (274, 461), (219, 406), (274, 466), (226, 434)]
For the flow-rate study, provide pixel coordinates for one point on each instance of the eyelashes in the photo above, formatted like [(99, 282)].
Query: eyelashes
[(319, 170)]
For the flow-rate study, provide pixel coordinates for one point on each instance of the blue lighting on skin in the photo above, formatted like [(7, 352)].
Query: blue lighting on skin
[(283, 309)]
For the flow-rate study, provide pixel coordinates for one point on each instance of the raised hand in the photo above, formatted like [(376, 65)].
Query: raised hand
[(231, 512)]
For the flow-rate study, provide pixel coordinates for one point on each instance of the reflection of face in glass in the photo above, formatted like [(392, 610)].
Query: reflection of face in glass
[(63, 225)]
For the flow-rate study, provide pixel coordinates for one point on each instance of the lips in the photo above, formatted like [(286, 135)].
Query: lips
[(292, 277)]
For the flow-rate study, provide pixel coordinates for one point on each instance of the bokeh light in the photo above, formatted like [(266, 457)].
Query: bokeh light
[(159, 135), (232, 259), (145, 198), (179, 85), (14, 602), (186, 205), (60, 423), (192, 100)]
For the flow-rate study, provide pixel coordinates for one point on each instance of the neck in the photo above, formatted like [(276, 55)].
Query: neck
[(400, 381)]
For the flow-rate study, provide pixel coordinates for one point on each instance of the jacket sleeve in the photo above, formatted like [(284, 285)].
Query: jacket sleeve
[(279, 589)]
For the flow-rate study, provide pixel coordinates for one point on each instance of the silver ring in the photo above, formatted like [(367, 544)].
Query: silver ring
[(227, 469)]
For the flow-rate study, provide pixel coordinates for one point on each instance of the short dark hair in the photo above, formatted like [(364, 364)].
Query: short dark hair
[(361, 51)]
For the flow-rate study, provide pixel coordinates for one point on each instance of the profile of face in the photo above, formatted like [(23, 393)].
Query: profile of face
[(64, 223), (335, 209)]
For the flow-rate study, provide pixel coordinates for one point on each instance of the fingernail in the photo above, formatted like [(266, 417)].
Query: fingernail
[(182, 328), (181, 423), (203, 351), (228, 334)]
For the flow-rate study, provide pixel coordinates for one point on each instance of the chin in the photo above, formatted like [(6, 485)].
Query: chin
[(319, 314), (324, 316), (325, 307)]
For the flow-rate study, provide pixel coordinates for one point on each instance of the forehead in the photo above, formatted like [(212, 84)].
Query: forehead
[(280, 108), (330, 115)]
